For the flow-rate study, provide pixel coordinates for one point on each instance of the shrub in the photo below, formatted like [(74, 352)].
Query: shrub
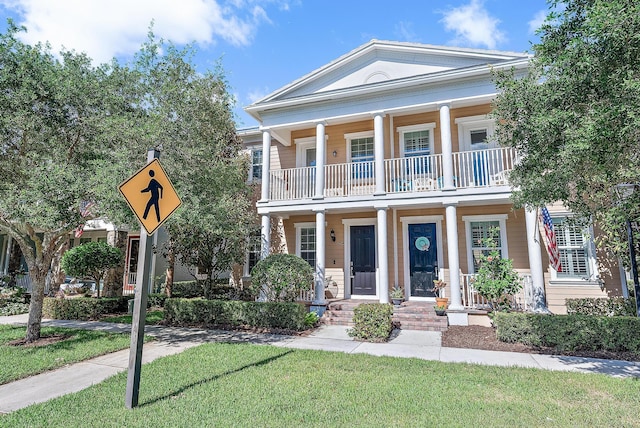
[(187, 289), (615, 306), (83, 308), (9, 307), (92, 259), (570, 332), (233, 313), (281, 277), (373, 322), (156, 300)]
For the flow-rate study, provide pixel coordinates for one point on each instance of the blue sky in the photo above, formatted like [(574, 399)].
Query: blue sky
[(266, 44)]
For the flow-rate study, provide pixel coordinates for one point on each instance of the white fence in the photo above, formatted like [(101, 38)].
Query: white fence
[(472, 300)]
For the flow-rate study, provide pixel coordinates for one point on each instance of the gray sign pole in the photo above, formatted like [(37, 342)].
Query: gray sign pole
[(145, 259)]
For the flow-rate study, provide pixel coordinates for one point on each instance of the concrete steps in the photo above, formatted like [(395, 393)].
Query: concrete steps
[(408, 316)]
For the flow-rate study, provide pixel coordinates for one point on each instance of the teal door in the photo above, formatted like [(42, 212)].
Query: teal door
[(423, 259)]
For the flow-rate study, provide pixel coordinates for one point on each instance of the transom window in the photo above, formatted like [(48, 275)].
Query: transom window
[(478, 136), (573, 248)]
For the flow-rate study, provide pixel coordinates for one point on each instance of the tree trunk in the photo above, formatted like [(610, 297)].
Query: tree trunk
[(171, 263), (114, 278), (38, 277)]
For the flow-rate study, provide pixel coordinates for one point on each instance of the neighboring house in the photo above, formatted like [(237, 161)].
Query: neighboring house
[(379, 169)]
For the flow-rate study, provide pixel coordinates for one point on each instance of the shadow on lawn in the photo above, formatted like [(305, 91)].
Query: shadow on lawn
[(215, 377)]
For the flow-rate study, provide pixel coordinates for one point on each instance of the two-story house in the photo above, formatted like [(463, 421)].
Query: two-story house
[(380, 170)]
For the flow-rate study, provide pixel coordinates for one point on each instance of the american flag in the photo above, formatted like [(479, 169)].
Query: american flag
[(85, 211), (552, 244)]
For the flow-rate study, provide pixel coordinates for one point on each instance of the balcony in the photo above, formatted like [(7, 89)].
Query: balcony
[(482, 168)]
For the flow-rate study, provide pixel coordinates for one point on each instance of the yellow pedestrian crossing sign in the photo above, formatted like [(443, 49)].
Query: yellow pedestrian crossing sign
[(150, 195)]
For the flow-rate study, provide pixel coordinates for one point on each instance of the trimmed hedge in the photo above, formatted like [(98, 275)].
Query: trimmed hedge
[(372, 322), (187, 289), (606, 307), (234, 313), (570, 332), (83, 308)]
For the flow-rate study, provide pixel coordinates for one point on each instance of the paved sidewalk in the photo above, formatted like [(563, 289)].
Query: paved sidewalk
[(172, 340)]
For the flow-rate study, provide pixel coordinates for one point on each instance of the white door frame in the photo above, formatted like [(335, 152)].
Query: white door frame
[(406, 221), (347, 223)]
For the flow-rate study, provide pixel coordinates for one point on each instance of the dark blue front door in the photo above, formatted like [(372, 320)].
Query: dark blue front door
[(363, 260), (423, 259)]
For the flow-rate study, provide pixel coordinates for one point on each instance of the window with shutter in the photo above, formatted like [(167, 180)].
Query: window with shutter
[(573, 248)]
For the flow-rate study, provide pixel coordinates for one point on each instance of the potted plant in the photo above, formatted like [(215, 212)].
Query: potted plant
[(397, 295), (440, 310), (438, 285)]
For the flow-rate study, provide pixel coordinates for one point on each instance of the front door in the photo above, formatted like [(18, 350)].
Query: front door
[(423, 259), (363, 260)]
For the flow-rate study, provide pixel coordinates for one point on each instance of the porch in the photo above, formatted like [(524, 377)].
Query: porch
[(471, 169)]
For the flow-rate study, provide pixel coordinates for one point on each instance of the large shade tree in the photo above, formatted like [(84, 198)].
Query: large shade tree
[(71, 132), (575, 118)]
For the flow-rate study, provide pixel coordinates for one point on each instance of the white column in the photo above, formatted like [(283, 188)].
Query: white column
[(535, 263), (447, 148), (321, 249), (266, 163), (321, 157), (383, 257), (454, 257), (378, 142), (265, 236)]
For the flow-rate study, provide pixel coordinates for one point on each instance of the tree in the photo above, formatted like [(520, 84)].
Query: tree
[(281, 277), (575, 118), (71, 132), (91, 259)]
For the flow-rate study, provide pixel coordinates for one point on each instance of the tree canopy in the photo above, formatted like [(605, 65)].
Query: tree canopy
[(575, 118), (91, 259), (71, 132)]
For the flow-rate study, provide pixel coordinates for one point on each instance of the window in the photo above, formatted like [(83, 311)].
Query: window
[(306, 242), (254, 249), (417, 141), (256, 164), (574, 250), (361, 150), (478, 229), (475, 133)]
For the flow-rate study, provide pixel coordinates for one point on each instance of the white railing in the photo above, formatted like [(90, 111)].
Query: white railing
[(483, 168), (306, 295), (413, 174), (472, 300)]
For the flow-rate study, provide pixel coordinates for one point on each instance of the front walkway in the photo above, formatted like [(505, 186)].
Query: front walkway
[(425, 345)]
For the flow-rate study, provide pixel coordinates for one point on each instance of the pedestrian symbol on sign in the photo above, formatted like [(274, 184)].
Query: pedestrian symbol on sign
[(150, 192)]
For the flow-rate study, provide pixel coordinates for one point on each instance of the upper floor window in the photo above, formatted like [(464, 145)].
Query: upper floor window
[(481, 228), (256, 164), (575, 250), (475, 133), (361, 149), (417, 140)]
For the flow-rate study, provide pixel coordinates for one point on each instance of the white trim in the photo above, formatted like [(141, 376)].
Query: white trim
[(431, 126), (502, 221), (302, 145), (470, 123), (406, 221), (591, 259), (347, 223)]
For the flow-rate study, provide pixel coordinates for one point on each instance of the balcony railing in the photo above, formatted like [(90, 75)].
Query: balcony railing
[(482, 168)]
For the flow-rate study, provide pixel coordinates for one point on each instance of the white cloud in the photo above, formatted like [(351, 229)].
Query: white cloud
[(537, 21), (258, 94), (473, 25), (404, 31), (104, 29)]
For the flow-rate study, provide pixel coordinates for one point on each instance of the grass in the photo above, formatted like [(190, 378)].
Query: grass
[(251, 385), (18, 362), (152, 318)]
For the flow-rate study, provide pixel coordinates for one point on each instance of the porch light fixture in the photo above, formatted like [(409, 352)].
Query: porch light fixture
[(624, 192), (335, 153), (332, 234)]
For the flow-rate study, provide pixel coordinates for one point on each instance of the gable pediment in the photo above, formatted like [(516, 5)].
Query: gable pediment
[(379, 61)]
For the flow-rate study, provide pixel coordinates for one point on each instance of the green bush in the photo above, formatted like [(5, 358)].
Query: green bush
[(570, 332), (373, 322), (233, 313), (9, 307), (615, 306), (187, 289), (281, 277), (83, 308), (156, 300)]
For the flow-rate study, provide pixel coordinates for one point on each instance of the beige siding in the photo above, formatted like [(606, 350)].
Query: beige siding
[(557, 295)]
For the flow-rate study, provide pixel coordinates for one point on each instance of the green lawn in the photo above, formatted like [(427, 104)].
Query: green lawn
[(152, 318), (17, 362), (226, 385)]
